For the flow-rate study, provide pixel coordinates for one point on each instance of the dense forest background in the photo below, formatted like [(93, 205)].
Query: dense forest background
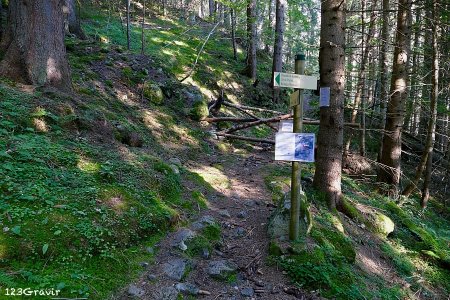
[(122, 120)]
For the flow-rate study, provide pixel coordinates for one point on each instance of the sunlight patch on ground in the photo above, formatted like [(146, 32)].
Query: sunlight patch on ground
[(206, 92), (216, 178), (88, 166)]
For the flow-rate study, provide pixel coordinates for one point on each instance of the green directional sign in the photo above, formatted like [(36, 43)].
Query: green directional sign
[(295, 81)]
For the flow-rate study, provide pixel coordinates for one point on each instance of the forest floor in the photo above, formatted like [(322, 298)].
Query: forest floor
[(110, 194), (241, 207)]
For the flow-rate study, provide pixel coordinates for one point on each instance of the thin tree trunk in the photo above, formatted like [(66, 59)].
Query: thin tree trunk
[(73, 19), (433, 109), (143, 27), (384, 61), (390, 171), (361, 78), (1, 20), (250, 69), (35, 54), (277, 63), (409, 118), (233, 32), (327, 177), (269, 26), (212, 6), (128, 25)]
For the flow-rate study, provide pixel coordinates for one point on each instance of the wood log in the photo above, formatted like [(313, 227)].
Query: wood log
[(245, 138), (229, 104), (258, 122), (229, 119)]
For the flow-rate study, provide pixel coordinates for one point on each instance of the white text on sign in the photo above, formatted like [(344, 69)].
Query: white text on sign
[(295, 81)]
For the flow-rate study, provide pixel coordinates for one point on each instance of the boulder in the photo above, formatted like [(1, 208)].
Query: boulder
[(153, 93)]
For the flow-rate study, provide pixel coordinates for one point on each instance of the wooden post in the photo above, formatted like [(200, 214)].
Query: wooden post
[(296, 187)]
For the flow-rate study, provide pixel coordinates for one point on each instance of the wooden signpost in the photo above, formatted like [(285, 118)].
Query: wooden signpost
[(298, 81)]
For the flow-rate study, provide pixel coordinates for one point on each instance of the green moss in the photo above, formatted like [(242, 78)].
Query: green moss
[(199, 111), (153, 93)]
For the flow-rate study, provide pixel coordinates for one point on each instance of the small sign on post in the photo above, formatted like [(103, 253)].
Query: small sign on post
[(324, 96), (294, 81)]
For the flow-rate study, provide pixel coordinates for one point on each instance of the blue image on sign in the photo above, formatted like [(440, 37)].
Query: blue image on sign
[(304, 147)]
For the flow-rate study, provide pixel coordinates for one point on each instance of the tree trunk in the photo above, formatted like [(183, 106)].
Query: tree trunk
[(142, 30), (384, 61), (361, 77), (128, 25), (277, 63), (327, 177), (433, 108), (250, 69), (72, 19), (33, 44), (212, 8), (1, 20), (269, 27), (390, 171), (233, 32)]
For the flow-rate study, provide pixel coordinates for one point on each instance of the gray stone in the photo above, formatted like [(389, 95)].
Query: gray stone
[(175, 160), (205, 253), (153, 93), (174, 169), (166, 293), (150, 250), (151, 277), (175, 269), (144, 264), (279, 221), (134, 291), (251, 203), (224, 213), (247, 292), (187, 289), (242, 214), (203, 221), (180, 237), (221, 269), (239, 232)]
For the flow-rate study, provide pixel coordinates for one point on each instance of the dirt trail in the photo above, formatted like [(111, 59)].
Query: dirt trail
[(241, 208)]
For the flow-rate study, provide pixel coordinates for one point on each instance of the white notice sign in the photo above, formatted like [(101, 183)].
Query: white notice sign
[(294, 81), (324, 96), (286, 126), (295, 146)]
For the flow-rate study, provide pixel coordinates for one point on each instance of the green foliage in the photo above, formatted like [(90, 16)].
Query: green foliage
[(207, 239)]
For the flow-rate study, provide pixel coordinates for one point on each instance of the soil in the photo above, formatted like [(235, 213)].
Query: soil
[(245, 192)]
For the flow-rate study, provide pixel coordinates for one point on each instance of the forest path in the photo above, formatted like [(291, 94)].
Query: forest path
[(241, 206)]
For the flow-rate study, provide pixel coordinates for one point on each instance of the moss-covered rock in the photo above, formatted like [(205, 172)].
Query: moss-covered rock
[(199, 111), (153, 93)]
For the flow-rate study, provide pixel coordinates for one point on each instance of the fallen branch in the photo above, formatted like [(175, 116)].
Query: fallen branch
[(252, 115), (245, 138), (256, 123), (200, 52), (229, 119), (229, 104)]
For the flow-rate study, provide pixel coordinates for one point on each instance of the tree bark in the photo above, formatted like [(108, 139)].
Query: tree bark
[(212, 8), (269, 26), (327, 177), (233, 32), (128, 25), (33, 44), (433, 108), (361, 80), (390, 171), (277, 63), (72, 20), (1, 20), (384, 61), (142, 29), (250, 69)]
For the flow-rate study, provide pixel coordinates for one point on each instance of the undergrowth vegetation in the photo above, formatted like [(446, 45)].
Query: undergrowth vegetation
[(334, 261)]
